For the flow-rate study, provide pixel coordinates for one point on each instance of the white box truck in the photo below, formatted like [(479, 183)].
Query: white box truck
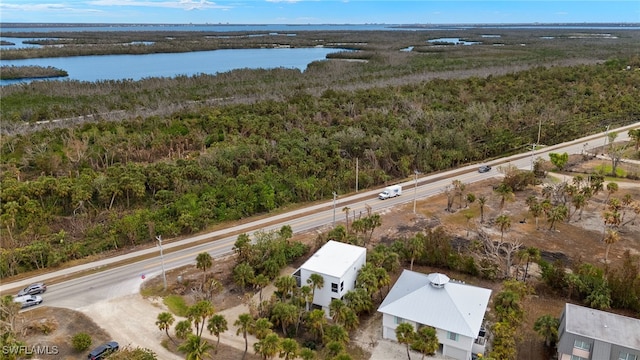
[(390, 191)]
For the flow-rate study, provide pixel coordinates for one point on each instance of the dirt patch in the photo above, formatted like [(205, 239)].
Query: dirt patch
[(49, 327)]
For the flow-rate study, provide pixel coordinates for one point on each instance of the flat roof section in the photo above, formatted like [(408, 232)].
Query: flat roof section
[(333, 258), (604, 326)]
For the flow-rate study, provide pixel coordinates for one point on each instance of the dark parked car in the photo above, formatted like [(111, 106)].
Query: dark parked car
[(103, 350), (37, 288), (484, 168)]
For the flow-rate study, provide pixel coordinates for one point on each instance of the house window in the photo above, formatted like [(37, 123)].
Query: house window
[(452, 336), (582, 345), (398, 320), (576, 357), (627, 356), (334, 287), (341, 286)]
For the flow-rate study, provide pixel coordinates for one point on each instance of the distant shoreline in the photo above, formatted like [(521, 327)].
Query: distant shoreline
[(408, 26)]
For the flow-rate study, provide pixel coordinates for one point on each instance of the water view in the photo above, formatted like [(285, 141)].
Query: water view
[(137, 67)]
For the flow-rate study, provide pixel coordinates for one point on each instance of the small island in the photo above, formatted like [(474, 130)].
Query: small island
[(30, 72)]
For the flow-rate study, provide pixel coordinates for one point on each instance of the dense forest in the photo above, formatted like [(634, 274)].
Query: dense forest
[(78, 189)]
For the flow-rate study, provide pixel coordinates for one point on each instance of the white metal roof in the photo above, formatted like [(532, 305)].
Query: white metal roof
[(454, 307), (333, 258), (604, 326)]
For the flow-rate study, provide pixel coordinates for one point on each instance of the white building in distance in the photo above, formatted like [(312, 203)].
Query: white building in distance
[(338, 263)]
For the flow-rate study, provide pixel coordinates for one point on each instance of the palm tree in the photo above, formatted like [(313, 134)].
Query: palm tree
[(504, 222), (405, 335), (578, 201), (195, 347), (286, 285), (371, 223), (317, 282), (261, 328), (482, 201), (203, 261), (307, 354), (198, 314), (284, 314), (507, 306), (555, 214), (535, 208), (351, 320), (611, 238), (415, 247), (243, 275), (530, 254), (244, 323), (316, 321), (288, 349), (268, 347), (337, 310), (505, 192), (547, 327), (612, 187), (336, 333), (426, 341), (383, 279), (359, 300), (260, 281), (306, 293), (216, 326), (183, 328), (164, 322), (346, 210)]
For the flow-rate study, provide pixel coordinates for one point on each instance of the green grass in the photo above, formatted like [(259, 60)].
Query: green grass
[(605, 169), (176, 305)]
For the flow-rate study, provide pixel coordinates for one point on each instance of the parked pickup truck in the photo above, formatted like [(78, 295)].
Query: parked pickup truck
[(390, 191)]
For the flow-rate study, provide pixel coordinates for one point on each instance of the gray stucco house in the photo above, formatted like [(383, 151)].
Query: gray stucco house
[(586, 334)]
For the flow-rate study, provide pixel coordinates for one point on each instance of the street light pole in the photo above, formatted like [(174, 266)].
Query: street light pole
[(334, 208), (164, 274)]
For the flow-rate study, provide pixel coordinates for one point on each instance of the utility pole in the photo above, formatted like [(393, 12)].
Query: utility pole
[(356, 174), (534, 147), (606, 138), (334, 208), (415, 190), (164, 274), (533, 151)]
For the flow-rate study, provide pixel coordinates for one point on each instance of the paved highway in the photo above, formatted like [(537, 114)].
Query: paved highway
[(86, 284)]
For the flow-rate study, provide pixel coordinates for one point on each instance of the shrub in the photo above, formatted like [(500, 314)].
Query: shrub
[(81, 341)]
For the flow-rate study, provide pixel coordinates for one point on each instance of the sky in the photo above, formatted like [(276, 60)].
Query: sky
[(319, 11)]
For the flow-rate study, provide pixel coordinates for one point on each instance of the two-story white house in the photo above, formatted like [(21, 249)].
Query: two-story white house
[(456, 310), (338, 263)]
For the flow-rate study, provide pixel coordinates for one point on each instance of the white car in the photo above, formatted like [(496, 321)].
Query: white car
[(28, 300)]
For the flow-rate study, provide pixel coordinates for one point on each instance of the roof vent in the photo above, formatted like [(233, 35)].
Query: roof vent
[(438, 280)]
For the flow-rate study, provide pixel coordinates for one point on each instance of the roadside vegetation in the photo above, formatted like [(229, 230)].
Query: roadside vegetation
[(81, 190)]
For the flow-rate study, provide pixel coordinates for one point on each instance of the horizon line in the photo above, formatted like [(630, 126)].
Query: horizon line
[(306, 24)]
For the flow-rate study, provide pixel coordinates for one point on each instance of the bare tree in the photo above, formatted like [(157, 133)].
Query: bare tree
[(500, 251)]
